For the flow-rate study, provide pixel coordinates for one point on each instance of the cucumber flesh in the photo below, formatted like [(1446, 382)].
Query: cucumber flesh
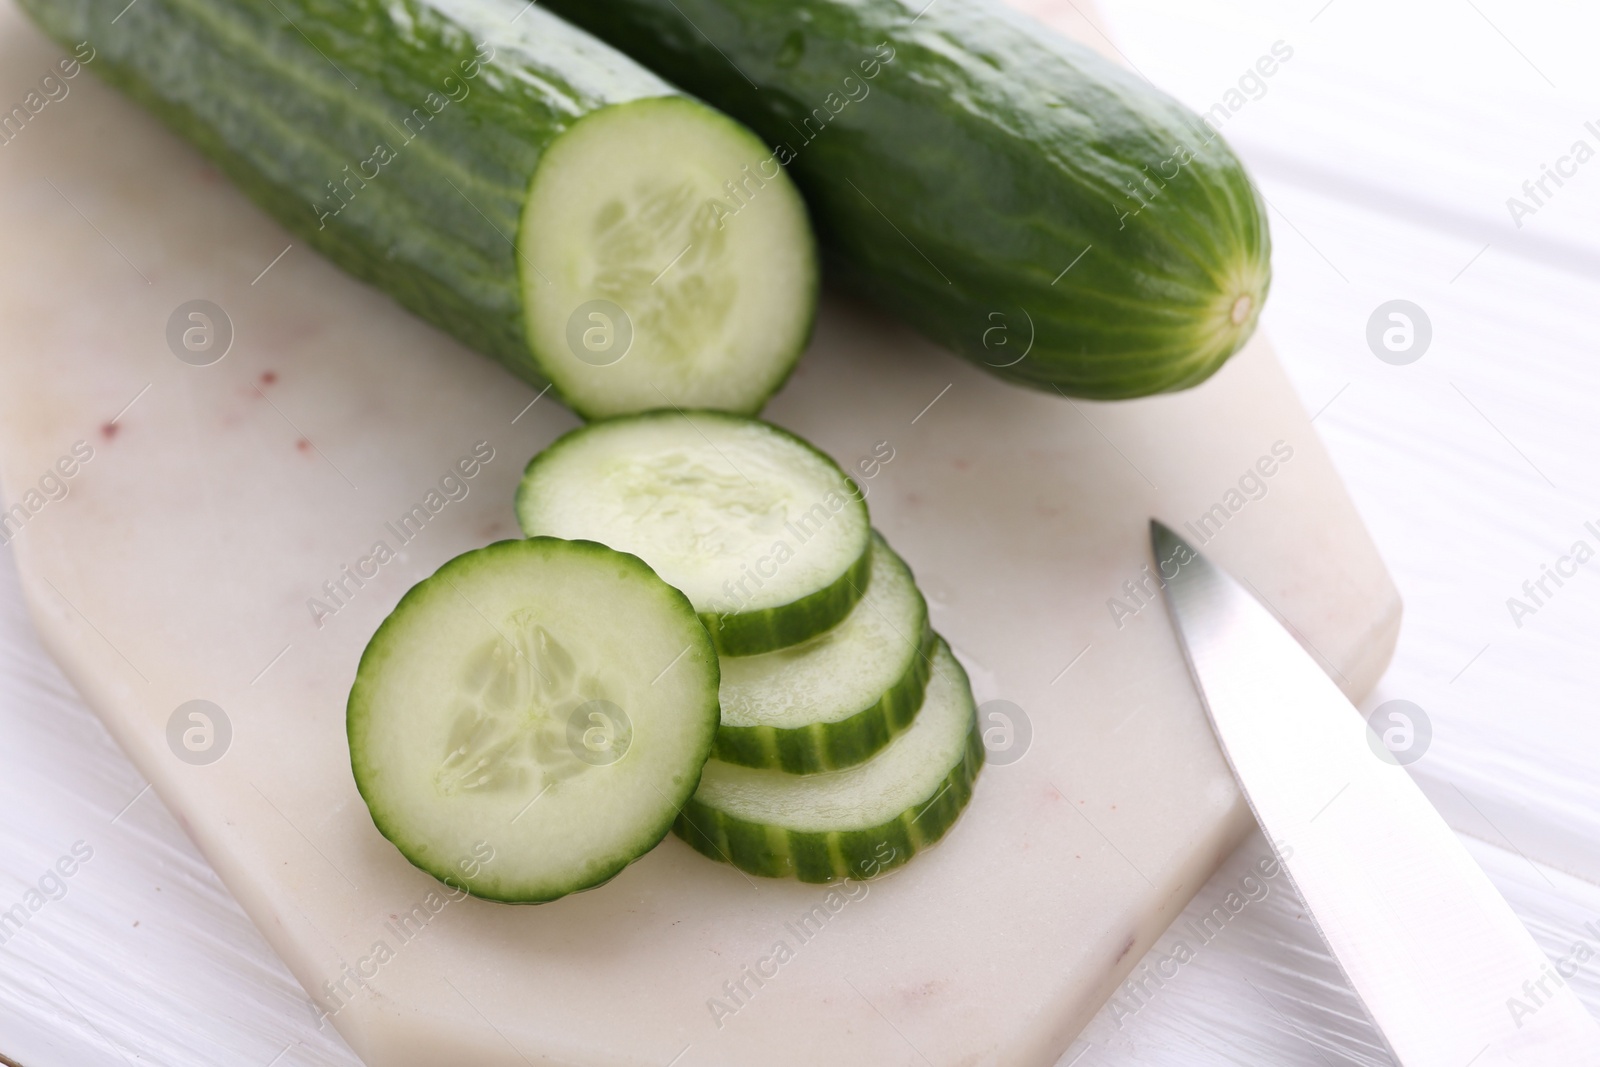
[(765, 535), (529, 719), (850, 823), (643, 289), (837, 699)]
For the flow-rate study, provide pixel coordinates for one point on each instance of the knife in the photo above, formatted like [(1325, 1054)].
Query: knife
[(1447, 972)]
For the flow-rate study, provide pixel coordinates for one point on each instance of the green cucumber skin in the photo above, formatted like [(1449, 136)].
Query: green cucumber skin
[(834, 855), (957, 183), (827, 856), (238, 80), (833, 746), (750, 633)]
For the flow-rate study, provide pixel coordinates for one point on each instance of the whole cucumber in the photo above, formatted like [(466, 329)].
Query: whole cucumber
[(1013, 195)]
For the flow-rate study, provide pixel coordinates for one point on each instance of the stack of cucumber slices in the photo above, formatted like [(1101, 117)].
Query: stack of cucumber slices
[(702, 632)]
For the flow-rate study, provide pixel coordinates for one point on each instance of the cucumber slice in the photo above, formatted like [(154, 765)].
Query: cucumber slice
[(678, 300), (852, 823), (765, 535), (504, 175), (528, 720), (840, 697)]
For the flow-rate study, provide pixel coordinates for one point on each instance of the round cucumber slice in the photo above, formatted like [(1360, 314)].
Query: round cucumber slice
[(529, 719), (837, 699), (764, 534), (853, 823), (667, 260)]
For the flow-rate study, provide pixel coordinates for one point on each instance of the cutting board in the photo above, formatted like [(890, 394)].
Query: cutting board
[(185, 556)]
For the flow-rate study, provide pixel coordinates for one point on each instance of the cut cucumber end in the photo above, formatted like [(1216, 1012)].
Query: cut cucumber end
[(529, 720), (853, 823), (667, 261), (765, 535)]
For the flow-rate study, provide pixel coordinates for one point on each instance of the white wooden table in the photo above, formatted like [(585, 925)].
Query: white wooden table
[(1387, 145)]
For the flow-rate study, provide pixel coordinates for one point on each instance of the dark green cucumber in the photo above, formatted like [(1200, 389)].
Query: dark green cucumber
[(852, 823), (1037, 208), (507, 177)]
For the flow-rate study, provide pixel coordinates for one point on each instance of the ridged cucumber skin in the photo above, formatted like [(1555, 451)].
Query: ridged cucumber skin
[(260, 86), (750, 633), (358, 711), (816, 856), (832, 746), (960, 158)]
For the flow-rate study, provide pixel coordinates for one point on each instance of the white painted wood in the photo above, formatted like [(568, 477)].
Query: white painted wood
[(1391, 141), (145, 957), (215, 505), (1263, 989)]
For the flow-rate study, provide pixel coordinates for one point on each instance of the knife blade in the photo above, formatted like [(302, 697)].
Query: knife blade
[(1449, 975)]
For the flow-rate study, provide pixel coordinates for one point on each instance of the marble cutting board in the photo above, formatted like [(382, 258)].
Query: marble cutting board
[(216, 500)]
